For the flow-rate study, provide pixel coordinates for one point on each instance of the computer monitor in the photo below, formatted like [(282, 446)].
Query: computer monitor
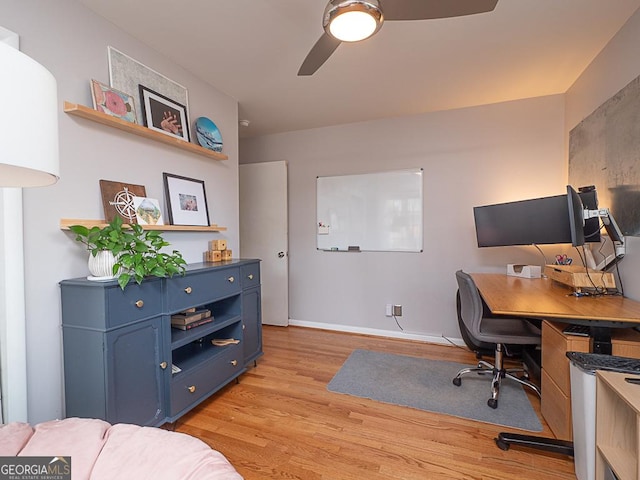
[(592, 226), (526, 222), (539, 221), (576, 218)]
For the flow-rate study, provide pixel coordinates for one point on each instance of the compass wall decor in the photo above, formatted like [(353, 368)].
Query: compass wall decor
[(117, 199)]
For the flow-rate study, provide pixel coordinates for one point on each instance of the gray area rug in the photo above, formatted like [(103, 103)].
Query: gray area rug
[(427, 385)]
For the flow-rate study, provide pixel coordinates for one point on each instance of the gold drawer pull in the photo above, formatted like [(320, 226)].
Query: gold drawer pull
[(192, 389), (188, 290), (163, 365), (234, 362), (251, 276), (139, 304), (231, 279)]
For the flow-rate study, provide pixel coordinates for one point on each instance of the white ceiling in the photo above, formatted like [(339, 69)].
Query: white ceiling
[(252, 49)]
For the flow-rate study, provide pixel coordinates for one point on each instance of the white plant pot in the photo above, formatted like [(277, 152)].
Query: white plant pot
[(101, 266)]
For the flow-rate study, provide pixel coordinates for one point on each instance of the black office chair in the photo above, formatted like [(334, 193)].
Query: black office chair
[(496, 330)]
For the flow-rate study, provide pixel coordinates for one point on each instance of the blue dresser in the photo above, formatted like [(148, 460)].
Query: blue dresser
[(119, 347)]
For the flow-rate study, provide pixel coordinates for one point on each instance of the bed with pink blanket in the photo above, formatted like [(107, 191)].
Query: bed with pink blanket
[(101, 451)]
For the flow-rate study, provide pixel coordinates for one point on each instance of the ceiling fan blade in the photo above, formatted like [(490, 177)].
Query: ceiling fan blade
[(429, 9), (319, 54)]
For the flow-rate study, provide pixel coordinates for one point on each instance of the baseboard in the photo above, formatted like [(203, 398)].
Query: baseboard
[(378, 333)]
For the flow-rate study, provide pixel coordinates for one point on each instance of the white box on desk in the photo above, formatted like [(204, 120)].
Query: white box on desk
[(524, 271)]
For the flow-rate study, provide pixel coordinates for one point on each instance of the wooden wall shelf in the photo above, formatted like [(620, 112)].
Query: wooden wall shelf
[(65, 223), (142, 131)]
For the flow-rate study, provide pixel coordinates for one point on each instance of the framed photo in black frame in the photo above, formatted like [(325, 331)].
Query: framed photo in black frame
[(163, 114), (186, 200)]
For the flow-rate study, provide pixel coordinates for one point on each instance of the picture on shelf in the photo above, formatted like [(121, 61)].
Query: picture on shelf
[(117, 199), (148, 211), (126, 73), (208, 134), (186, 200), (113, 102), (163, 114)]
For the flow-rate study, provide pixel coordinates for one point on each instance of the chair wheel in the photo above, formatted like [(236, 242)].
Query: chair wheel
[(493, 403), (502, 445), (457, 381)]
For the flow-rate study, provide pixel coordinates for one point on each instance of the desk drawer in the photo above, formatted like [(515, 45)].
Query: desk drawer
[(625, 342), (555, 345), (555, 407)]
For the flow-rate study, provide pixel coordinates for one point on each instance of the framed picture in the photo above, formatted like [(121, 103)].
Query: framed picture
[(164, 115), (186, 200), (117, 199), (148, 211), (126, 73), (113, 102)]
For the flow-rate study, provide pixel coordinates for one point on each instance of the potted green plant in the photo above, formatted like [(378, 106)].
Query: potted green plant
[(136, 252)]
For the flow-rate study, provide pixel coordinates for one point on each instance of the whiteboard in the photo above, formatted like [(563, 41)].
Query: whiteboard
[(370, 212)]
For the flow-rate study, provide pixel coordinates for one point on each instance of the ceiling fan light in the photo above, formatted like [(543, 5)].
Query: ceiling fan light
[(352, 20), (353, 26)]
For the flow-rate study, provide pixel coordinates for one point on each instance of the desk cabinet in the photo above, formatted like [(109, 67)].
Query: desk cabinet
[(119, 345), (617, 426), (555, 379)]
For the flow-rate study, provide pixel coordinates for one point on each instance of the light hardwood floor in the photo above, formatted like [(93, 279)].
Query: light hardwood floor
[(280, 421)]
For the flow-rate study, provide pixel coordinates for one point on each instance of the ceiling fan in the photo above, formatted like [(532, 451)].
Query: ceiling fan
[(356, 20)]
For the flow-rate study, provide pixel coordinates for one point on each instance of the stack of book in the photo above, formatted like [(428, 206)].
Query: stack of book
[(191, 318)]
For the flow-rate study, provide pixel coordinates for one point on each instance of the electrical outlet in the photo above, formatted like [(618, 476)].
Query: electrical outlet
[(388, 310), (397, 310)]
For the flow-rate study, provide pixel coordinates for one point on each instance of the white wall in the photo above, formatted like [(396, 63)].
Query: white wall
[(72, 43), (616, 65), (471, 156)]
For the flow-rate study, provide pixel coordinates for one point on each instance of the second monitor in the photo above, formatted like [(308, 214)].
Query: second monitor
[(546, 220)]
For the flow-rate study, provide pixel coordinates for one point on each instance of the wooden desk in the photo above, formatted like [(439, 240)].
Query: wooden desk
[(550, 300), (544, 298)]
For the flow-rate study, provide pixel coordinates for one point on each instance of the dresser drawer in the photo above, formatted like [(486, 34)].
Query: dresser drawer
[(250, 275), (133, 303), (189, 388), (201, 288)]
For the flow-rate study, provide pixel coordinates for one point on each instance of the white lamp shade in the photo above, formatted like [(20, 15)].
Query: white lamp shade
[(28, 122)]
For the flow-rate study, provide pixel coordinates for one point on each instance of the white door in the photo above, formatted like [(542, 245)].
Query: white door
[(264, 233)]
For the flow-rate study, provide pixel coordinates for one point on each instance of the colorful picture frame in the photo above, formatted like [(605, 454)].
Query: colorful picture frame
[(164, 115), (186, 200), (148, 211), (207, 134), (113, 102)]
